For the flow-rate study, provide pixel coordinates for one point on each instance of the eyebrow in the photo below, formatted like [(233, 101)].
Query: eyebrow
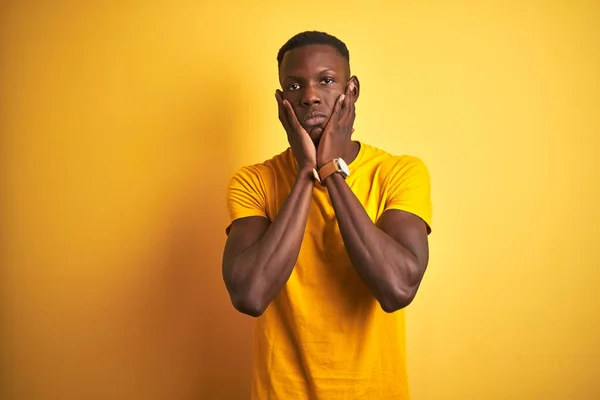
[(294, 78), (324, 70)]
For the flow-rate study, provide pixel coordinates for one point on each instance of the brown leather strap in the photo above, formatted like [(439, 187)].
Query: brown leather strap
[(328, 169)]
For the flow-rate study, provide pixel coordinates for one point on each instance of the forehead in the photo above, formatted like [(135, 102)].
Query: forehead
[(311, 59)]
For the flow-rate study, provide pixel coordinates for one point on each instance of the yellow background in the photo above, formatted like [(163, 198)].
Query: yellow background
[(121, 124)]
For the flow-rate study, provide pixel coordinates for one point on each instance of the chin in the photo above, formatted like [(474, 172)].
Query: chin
[(315, 134)]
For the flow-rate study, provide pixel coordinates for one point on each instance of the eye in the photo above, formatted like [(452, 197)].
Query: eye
[(327, 80), (293, 86)]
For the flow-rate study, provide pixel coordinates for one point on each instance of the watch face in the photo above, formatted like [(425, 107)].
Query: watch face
[(343, 167)]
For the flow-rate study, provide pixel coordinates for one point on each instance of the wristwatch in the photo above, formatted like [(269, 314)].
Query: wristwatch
[(336, 165)]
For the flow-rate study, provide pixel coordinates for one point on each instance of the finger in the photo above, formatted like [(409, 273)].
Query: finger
[(350, 114), (283, 118), (335, 113), (279, 99), (352, 102), (339, 105), (293, 120), (348, 101), (349, 94), (343, 106)]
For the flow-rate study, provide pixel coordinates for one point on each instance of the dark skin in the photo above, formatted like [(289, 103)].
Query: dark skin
[(317, 110)]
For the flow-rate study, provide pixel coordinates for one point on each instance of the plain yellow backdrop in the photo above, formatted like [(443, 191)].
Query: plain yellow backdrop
[(121, 124)]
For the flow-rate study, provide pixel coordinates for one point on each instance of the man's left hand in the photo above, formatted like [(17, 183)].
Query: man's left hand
[(338, 131)]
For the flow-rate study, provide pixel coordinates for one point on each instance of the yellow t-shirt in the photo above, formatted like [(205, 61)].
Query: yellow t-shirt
[(325, 336)]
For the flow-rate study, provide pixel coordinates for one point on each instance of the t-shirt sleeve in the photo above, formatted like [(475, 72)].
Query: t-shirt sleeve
[(409, 189), (246, 195)]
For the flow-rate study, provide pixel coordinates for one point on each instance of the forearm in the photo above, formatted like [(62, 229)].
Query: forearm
[(258, 274), (389, 270)]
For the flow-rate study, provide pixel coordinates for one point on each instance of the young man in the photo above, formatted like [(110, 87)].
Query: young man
[(328, 241)]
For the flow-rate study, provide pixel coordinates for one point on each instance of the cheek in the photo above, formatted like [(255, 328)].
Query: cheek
[(334, 93), (331, 98), (290, 96)]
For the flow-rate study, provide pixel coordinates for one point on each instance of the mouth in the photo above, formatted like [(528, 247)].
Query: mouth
[(314, 119)]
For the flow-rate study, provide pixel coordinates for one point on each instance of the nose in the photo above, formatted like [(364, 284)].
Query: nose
[(310, 96)]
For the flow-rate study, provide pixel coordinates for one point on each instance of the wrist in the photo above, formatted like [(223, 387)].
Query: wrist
[(306, 165), (336, 166), (306, 173), (333, 179), (323, 161)]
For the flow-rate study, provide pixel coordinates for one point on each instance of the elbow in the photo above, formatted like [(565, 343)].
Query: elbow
[(400, 294), (249, 308), (247, 304), (244, 298), (397, 301)]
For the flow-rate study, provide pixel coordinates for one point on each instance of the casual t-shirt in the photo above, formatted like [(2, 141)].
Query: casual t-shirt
[(325, 336)]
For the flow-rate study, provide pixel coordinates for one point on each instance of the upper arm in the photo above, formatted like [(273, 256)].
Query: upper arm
[(242, 234), (247, 204), (246, 195), (408, 230), (408, 210)]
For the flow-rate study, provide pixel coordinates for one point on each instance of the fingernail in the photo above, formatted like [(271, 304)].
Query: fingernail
[(342, 97)]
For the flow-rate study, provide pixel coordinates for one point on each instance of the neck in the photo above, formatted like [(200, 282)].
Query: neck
[(352, 152)]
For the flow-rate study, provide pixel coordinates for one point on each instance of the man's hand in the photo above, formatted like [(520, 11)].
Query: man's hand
[(338, 131), (302, 146)]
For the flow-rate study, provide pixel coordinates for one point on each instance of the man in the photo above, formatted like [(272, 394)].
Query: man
[(328, 241)]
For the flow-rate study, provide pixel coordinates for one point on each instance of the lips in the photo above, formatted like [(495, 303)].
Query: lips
[(315, 118)]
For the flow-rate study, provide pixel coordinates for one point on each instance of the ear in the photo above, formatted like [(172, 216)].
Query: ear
[(354, 87)]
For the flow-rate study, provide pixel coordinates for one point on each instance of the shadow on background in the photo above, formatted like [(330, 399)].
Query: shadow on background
[(115, 164), (188, 333)]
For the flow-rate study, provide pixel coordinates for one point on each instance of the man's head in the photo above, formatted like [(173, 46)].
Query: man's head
[(314, 70)]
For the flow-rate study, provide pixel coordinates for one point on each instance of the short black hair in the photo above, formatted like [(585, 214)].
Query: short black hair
[(313, 37)]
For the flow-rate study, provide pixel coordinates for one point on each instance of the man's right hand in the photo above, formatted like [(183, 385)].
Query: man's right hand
[(302, 146), (260, 253)]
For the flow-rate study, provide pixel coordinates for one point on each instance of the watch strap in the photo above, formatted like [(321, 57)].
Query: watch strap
[(328, 169)]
